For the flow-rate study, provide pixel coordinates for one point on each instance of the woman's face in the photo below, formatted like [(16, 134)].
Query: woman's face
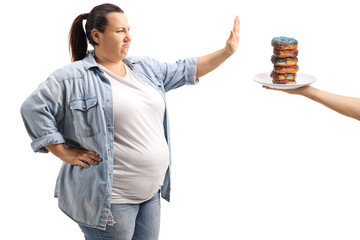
[(114, 42)]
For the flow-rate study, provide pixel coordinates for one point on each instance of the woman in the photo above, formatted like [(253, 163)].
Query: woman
[(348, 106), (105, 117)]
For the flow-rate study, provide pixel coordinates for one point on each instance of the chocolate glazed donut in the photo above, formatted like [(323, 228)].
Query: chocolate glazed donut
[(284, 43), (289, 61), (287, 78), (289, 69), (283, 81), (282, 77), (285, 53)]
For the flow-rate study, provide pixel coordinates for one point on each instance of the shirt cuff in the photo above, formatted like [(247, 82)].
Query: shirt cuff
[(190, 68), (39, 144)]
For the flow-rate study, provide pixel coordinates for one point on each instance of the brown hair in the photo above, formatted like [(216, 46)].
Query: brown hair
[(78, 39)]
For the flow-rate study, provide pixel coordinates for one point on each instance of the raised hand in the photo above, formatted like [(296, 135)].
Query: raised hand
[(233, 41), (211, 61)]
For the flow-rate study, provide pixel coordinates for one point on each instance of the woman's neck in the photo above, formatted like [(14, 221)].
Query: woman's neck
[(117, 68)]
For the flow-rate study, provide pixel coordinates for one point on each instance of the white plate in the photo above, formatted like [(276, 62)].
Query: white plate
[(302, 79)]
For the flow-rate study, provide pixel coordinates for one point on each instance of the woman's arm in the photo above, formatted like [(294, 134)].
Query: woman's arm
[(211, 61), (41, 112), (348, 106)]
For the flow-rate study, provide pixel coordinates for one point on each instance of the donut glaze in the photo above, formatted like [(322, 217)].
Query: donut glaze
[(289, 61), (282, 77), (289, 69), (284, 81), (285, 53), (284, 43)]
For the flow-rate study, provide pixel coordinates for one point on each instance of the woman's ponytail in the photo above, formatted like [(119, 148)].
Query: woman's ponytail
[(77, 39)]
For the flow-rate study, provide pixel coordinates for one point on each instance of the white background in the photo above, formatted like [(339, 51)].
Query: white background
[(248, 163)]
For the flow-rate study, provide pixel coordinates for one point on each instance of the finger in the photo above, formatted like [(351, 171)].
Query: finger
[(87, 161), (91, 159), (236, 27), (92, 152), (94, 157), (81, 163), (88, 157), (231, 35)]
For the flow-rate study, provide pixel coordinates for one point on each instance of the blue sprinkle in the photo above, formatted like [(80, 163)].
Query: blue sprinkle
[(285, 41)]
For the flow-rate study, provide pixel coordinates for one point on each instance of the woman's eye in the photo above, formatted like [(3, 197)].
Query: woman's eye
[(122, 30)]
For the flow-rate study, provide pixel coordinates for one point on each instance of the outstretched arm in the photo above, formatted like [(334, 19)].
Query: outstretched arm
[(211, 61), (348, 106)]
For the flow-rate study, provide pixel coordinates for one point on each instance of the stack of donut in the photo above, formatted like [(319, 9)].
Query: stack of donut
[(284, 60)]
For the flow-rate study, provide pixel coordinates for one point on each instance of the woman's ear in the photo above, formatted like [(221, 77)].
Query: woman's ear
[(96, 36)]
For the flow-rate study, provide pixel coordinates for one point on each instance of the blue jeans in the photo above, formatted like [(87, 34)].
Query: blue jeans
[(132, 222)]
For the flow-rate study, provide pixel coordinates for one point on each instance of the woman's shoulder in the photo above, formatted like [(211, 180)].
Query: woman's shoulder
[(73, 70)]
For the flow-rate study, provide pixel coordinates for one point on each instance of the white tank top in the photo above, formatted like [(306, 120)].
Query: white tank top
[(141, 153)]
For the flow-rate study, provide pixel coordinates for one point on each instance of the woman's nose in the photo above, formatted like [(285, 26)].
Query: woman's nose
[(128, 37)]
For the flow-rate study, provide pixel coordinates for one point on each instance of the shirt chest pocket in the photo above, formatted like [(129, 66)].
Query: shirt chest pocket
[(85, 115)]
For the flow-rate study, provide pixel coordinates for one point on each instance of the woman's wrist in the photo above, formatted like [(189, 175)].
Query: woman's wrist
[(309, 92), (226, 52), (58, 150)]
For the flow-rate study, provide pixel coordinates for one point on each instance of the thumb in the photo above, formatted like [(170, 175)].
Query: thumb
[(231, 35)]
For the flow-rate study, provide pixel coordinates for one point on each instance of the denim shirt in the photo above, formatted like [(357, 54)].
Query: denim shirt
[(74, 106)]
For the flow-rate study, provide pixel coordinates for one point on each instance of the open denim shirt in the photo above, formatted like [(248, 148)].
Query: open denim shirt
[(74, 106)]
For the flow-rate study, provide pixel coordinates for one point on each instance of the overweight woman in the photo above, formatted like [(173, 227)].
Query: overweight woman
[(105, 116)]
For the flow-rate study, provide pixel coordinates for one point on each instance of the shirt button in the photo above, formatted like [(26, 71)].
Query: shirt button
[(109, 125), (84, 107), (107, 100)]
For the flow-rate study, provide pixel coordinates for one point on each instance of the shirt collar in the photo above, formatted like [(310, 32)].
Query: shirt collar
[(89, 61)]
